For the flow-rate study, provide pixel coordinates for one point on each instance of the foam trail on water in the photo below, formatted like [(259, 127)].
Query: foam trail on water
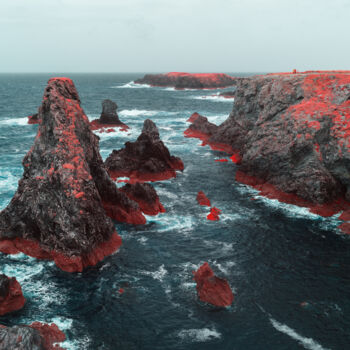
[(307, 343), (199, 335), (214, 98), (131, 85), (14, 121)]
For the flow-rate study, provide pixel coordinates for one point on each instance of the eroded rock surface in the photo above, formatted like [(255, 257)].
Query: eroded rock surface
[(146, 159), (59, 210)]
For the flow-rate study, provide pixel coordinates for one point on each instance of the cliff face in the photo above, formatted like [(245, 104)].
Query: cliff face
[(293, 134), (189, 81), (59, 209), (146, 159)]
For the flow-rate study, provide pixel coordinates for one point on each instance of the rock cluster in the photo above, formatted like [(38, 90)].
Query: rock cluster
[(59, 210), (146, 159)]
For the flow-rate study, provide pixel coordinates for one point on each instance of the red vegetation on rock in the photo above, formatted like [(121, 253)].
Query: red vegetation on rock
[(214, 214), (202, 199), (50, 334), (11, 296), (212, 289)]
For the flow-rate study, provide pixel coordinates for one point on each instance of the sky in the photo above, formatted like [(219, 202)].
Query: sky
[(173, 35)]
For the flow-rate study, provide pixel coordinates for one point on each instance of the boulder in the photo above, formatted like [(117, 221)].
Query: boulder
[(11, 296)]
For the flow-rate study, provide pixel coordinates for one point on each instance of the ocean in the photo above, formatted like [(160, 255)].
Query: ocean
[(289, 269)]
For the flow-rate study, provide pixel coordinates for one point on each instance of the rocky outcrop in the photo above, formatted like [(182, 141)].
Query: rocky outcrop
[(146, 159), (65, 200), (214, 214), (292, 132), (212, 289), (11, 297), (188, 80), (146, 196), (202, 129), (37, 336), (109, 118), (33, 119)]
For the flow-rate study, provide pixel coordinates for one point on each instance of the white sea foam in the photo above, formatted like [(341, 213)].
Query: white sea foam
[(199, 335), (158, 274), (131, 85), (215, 98), (307, 343), (14, 121), (8, 181), (137, 113)]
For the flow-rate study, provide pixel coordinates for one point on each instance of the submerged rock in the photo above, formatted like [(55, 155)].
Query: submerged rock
[(212, 289), (11, 297), (146, 197), (109, 118), (37, 336), (188, 80), (59, 209), (146, 159)]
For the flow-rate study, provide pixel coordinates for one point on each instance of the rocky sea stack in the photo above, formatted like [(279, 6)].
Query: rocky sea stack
[(37, 336), (146, 159), (61, 207), (188, 80), (212, 289), (109, 117), (11, 297), (292, 132)]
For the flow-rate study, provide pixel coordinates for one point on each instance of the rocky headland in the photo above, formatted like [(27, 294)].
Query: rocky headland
[(109, 118), (292, 135), (189, 81), (146, 159), (65, 201)]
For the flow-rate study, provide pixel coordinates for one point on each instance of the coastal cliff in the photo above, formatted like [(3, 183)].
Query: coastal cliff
[(188, 80), (292, 134)]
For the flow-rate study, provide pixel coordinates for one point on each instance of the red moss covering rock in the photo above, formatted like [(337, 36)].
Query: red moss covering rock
[(214, 214), (212, 289), (109, 118), (35, 336), (146, 197), (146, 159), (189, 81), (60, 210), (292, 131), (202, 199), (11, 296)]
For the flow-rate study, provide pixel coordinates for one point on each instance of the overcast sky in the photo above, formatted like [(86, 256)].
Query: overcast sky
[(173, 35)]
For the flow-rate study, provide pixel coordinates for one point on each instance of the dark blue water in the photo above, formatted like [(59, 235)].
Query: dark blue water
[(289, 269)]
